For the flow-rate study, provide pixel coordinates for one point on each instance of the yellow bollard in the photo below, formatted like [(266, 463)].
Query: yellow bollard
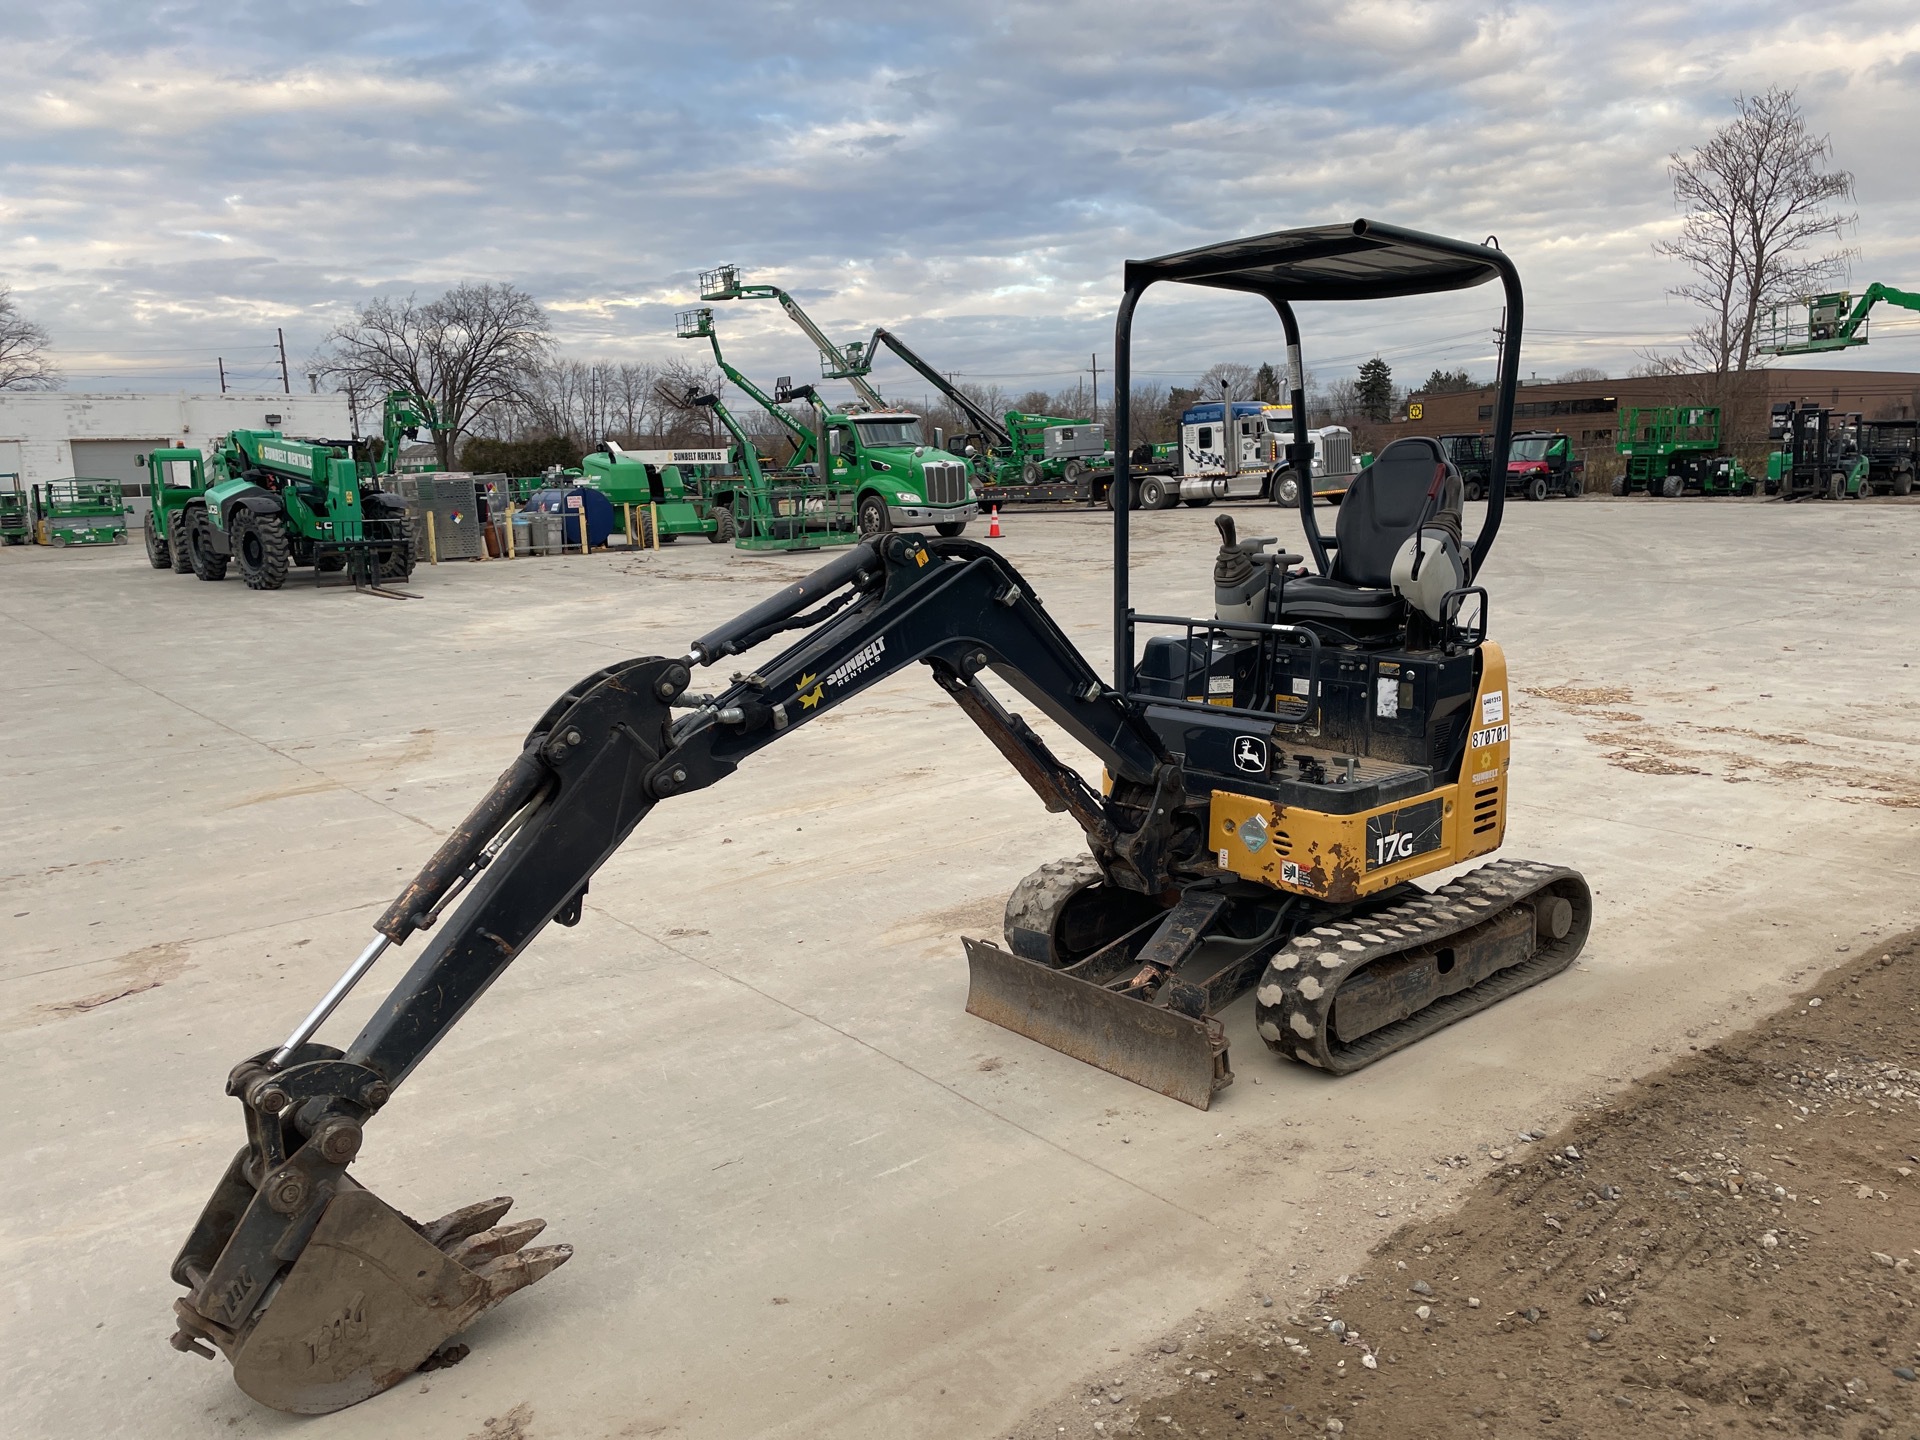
[(511, 508), (654, 508), (629, 509), (433, 549)]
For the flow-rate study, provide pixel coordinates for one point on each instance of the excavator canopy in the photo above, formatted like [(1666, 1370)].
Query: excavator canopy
[(1365, 260)]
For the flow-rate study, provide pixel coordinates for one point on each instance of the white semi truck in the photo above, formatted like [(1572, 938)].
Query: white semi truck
[(1214, 467)]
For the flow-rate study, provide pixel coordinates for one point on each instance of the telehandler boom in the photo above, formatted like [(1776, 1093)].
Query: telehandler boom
[(1278, 777)]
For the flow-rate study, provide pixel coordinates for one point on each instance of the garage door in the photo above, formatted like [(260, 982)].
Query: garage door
[(118, 460), (9, 462)]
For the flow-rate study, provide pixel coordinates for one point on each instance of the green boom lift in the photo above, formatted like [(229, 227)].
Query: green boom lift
[(401, 416), (273, 501), (698, 325), (785, 509), (665, 490), (836, 363), (1814, 324)]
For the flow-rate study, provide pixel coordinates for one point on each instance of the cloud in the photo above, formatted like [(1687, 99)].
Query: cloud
[(179, 180)]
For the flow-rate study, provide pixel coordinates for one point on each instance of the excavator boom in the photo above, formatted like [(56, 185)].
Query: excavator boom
[(289, 1237)]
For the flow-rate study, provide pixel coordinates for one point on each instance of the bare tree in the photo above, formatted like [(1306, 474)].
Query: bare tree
[(474, 349), (24, 364), (1230, 372), (1582, 374), (1756, 196)]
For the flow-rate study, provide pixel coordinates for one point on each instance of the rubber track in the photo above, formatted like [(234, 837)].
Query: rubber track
[(1294, 1001), (1036, 901)]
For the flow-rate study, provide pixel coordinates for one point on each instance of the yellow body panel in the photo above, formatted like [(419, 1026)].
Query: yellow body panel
[(1311, 852)]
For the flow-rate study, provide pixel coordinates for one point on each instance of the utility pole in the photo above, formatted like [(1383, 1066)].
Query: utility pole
[(1094, 364), (285, 383), (221, 362)]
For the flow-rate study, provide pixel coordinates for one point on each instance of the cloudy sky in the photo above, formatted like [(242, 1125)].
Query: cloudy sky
[(178, 179)]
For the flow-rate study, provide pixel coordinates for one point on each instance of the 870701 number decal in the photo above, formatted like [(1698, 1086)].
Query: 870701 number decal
[(1402, 834)]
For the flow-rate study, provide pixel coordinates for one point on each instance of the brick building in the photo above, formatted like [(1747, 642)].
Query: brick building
[(1587, 411)]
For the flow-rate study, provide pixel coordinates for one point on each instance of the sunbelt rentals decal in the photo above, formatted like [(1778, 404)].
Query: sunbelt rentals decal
[(292, 459), (861, 661)]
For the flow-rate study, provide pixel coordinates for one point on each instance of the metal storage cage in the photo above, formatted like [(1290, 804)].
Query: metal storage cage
[(454, 502)]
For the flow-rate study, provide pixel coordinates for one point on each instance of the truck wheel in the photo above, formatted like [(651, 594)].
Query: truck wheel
[(874, 519), (724, 528), (1115, 498), (157, 555), (1674, 486), (1537, 488), (1619, 484), (951, 528), (260, 543), (1198, 504), (1284, 488), (1154, 494), (206, 562)]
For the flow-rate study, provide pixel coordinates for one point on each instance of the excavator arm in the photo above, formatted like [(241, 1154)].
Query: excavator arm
[(320, 1294)]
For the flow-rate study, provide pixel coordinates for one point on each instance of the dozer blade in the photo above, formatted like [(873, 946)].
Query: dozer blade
[(1178, 1055), (372, 1298)]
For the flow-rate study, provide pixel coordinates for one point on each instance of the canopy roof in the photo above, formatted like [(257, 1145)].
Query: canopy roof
[(1366, 260)]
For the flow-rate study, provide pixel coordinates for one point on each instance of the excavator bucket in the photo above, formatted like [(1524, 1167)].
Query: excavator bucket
[(372, 1298), (1182, 1056)]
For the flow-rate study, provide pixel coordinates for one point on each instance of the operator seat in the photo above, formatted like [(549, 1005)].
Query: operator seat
[(1387, 502)]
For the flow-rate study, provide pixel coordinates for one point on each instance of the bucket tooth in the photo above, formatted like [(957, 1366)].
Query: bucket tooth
[(372, 1297)]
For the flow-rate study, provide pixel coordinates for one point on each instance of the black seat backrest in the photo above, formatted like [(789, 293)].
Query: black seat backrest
[(1384, 505)]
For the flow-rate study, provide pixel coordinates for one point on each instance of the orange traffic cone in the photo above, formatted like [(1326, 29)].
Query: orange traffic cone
[(993, 524)]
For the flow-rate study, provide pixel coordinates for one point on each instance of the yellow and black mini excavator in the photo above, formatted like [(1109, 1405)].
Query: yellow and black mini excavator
[(1278, 777)]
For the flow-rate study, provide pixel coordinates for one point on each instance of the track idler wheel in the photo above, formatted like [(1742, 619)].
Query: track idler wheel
[(372, 1298)]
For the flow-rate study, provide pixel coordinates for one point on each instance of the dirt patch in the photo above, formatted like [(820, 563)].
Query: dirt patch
[(510, 1426), (1585, 695), (1728, 1246), (972, 917), (139, 970)]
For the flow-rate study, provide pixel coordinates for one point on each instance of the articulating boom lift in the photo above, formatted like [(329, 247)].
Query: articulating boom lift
[(1279, 776)]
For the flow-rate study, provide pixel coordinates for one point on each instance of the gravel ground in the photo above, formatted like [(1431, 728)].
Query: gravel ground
[(1725, 1246)]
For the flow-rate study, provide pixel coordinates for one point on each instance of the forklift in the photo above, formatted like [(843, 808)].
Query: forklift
[(1279, 777), (1817, 455)]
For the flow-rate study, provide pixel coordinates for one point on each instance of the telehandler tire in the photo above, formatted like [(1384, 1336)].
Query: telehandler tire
[(179, 550), (396, 561), (260, 544), (724, 527), (157, 553), (206, 562)]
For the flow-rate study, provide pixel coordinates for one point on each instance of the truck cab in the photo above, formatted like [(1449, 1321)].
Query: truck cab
[(1542, 463), (1262, 431), (898, 478)]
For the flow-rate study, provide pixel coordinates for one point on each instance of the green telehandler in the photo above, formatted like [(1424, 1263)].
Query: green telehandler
[(272, 501), (177, 478)]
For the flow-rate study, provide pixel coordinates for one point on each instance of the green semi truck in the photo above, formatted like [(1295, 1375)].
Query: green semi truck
[(272, 501), (876, 456)]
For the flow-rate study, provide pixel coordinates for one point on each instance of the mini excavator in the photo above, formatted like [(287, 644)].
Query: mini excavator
[(1277, 779)]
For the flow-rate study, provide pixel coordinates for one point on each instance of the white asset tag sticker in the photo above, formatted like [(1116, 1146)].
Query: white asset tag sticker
[(1493, 707), (1492, 735), (1386, 697)]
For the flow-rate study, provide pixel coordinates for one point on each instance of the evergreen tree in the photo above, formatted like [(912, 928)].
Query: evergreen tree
[(1375, 390), (1266, 384)]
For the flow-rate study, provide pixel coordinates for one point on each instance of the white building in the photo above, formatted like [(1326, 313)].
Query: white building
[(52, 434)]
